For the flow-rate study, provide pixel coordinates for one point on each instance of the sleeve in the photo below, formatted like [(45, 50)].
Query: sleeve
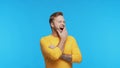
[(76, 54), (52, 54)]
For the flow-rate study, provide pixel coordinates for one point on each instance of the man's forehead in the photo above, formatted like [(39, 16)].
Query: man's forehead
[(59, 17)]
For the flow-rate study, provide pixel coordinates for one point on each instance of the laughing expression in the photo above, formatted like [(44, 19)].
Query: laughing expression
[(58, 23)]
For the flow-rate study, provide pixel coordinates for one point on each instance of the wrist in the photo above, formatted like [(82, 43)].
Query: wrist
[(63, 39)]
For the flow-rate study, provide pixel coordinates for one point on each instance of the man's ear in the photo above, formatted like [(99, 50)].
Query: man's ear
[(52, 24)]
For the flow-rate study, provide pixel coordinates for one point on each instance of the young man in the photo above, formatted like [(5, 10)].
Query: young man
[(59, 49)]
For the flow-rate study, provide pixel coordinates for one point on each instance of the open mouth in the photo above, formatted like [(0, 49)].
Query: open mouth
[(61, 28)]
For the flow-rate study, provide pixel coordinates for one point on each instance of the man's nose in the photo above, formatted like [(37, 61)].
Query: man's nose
[(63, 23)]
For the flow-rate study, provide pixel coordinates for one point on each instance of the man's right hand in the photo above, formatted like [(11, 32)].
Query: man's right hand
[(63, 34)]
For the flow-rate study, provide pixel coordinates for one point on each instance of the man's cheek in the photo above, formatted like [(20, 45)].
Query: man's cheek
[(57, 28)]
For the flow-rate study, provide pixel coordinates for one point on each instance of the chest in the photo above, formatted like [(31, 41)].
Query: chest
[(67, 46)]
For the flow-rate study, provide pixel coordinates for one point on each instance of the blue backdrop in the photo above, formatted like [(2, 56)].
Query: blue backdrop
[(94, 23)]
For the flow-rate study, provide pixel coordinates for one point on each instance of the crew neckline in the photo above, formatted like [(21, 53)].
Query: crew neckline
[(53, 36)]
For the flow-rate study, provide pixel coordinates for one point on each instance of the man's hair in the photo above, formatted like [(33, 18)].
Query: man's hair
[(55, 15)]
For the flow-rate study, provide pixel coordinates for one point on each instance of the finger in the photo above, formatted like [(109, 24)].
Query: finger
[(52, 47), (64, 30)]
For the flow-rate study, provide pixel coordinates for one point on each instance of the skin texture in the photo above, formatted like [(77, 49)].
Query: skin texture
[(59, 30)]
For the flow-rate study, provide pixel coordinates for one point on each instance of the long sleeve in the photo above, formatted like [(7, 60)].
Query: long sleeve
[(52, 54), (76, 54)]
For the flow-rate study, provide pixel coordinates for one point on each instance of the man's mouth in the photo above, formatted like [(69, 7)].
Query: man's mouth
[(61, 28)]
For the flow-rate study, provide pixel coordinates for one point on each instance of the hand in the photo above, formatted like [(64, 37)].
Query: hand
[(67, 57), (63, 34), (52, 46)]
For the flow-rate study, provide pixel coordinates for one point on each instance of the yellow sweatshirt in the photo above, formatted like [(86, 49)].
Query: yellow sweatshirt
[(52, 56)]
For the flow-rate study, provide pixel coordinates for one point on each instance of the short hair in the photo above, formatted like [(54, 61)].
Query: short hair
[(55, 15)]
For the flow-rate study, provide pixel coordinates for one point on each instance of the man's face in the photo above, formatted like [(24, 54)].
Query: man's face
[(58, 23)]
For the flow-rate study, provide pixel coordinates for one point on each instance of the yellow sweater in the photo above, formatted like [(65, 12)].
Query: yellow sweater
[(52, 56)]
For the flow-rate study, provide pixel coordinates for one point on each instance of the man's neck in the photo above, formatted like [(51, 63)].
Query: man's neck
[(54, 33)]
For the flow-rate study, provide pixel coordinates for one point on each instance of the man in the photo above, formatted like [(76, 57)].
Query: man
[(59, 49)]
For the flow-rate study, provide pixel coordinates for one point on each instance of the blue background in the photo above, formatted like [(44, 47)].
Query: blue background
[(94, 23)]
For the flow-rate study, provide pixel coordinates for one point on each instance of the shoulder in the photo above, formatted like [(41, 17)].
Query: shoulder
[(44, 37), (70, 38)]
